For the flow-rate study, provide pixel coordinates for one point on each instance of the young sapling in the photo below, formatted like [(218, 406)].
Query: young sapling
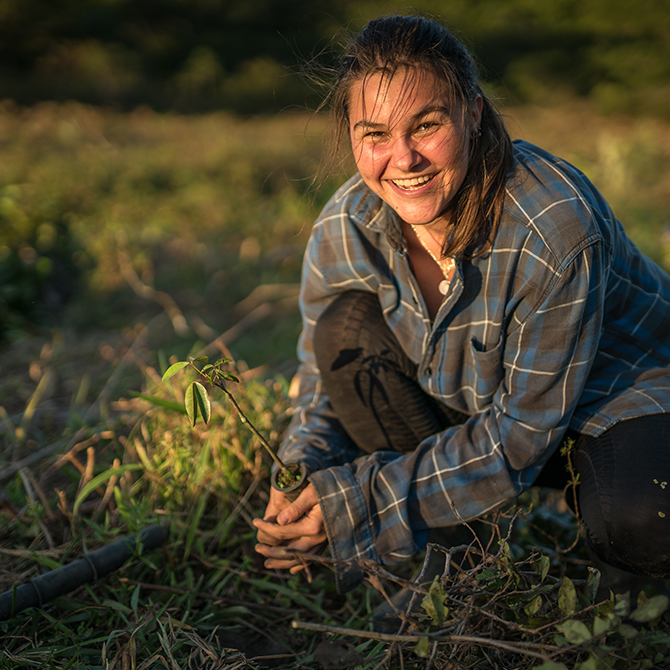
[(289, 478)]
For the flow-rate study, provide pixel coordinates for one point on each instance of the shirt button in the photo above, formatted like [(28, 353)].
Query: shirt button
[(429, 371)]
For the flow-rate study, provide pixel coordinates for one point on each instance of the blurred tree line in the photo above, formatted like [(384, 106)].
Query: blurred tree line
[(243, 55)]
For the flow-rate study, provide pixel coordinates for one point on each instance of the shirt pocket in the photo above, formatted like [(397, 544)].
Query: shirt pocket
[(487, 372)]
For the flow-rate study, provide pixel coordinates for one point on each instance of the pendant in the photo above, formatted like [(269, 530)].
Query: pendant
[(443, 287)]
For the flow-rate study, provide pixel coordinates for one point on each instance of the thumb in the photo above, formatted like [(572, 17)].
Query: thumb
[(297, 509)]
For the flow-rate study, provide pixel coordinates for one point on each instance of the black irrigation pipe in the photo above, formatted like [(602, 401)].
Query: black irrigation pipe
[(88, 568)]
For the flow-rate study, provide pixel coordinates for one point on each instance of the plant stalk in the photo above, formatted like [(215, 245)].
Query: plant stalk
[(244, 419)]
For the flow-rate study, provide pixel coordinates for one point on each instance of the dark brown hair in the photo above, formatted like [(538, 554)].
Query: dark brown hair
[(389, 43)]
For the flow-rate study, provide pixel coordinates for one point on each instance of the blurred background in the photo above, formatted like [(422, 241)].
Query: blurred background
[(157, 161)]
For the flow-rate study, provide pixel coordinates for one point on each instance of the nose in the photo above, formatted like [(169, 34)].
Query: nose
[(405, 154)]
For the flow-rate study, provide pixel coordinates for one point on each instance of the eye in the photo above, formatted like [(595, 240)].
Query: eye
[(427, 126)]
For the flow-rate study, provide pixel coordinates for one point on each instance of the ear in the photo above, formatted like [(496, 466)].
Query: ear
[(476, 111)]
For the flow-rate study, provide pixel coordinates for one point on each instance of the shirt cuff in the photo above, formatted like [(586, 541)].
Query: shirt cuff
[(347, 522)]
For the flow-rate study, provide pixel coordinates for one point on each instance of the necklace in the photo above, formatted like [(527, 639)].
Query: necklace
[(446, 264)]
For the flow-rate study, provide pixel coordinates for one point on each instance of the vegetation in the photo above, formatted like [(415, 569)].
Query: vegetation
[(187, 234), (198, 405)]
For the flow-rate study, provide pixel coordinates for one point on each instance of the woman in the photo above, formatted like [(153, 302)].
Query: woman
[(467, 302)]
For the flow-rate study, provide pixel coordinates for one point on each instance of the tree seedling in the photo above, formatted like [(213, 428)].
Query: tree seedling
[(289, 478)]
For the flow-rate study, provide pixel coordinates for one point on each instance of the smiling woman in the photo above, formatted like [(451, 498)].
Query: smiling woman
[(410, 150), (407, 144), (468, 304)]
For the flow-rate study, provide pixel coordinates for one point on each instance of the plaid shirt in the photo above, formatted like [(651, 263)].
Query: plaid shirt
[(562, 324)]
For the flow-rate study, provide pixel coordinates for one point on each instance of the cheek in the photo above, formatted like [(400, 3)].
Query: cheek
[(442, 149), (366, 159)]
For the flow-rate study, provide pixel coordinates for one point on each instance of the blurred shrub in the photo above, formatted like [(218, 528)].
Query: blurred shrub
[(178, 195), (37, 272)]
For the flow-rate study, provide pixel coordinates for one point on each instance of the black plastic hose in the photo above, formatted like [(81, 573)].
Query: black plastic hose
[(88, 568)]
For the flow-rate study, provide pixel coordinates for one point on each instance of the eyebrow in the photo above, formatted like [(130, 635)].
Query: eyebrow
[(364, 123)]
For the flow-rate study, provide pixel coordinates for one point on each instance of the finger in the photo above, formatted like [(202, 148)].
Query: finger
[(303, 528), (266, 538), (282, 558), (267, 531), (277, 557), (303, 504)]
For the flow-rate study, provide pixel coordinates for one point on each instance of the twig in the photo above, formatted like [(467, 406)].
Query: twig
[(525, 648), (144, 291), (433, 654), (40, 493), (110, 488), (235, 331), (10, 471)]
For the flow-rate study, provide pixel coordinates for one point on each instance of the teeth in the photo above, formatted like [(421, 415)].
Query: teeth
[(412, 183)]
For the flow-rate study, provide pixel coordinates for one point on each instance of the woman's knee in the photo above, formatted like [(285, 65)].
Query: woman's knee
[(353, 329), (342, 320)]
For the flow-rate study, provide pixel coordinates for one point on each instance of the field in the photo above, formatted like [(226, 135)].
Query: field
[(131, 240)]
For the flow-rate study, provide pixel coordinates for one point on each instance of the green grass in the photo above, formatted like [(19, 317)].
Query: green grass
[(173, 230)]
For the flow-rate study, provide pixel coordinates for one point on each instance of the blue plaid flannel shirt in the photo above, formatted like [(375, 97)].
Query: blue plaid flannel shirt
[(562, 324)]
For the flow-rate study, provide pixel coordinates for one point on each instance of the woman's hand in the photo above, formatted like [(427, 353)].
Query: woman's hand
[(297, 525)]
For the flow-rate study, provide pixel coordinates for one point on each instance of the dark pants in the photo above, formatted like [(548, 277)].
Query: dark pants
[(624, 492)]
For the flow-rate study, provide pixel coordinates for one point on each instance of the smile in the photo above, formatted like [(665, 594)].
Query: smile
[(414, 183)]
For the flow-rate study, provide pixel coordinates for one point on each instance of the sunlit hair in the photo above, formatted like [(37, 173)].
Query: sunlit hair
[(388, 44)]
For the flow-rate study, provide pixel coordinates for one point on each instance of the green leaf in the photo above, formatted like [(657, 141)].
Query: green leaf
[(115, 605), (422, 648), (48, 562), (174, 369), (627, 631), (545, 564), (160, 402), (650, 610), (102, 477), (592, 584), (602, 624), (228, 377), (575, 632), (199, 359), (659, 637), (197, 403), (433, 602), (567, 597), (622, 604), (487, 574), (135, 598), (533, 606), (592, 663)]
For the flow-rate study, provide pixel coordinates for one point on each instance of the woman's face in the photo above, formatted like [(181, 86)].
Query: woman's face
[(406, 139)]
